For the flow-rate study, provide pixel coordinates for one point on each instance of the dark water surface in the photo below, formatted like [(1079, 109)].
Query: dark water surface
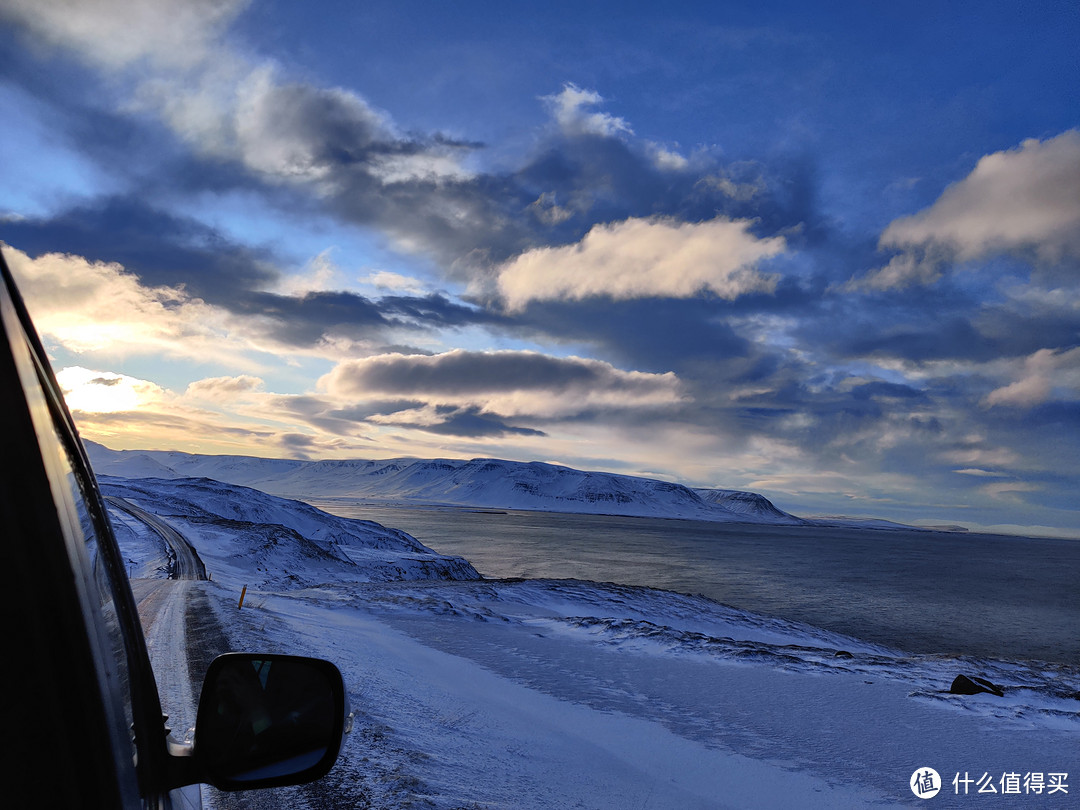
[(925, 592)]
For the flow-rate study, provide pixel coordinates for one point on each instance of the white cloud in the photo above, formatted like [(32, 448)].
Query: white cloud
[(1023, 201), (223, 389), (640, 258), (903, 270), (977, 451), (99, 307), (667, 159), (434, 164), (1045, 373), (394, 282), (174, 34), (572, 111), (1010, 491), (183, 67), (741, 192), (547, 210), (1026, 198), (96, 306), (319, 273)]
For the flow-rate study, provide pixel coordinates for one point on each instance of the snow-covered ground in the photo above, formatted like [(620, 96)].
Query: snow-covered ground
[(563, 693)]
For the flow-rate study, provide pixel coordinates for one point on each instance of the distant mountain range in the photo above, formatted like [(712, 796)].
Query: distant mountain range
[(483, 482)]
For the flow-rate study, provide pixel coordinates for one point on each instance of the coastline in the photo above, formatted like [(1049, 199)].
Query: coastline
[(922, 592)]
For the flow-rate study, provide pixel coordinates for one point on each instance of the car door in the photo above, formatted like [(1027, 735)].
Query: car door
[(85, 718)]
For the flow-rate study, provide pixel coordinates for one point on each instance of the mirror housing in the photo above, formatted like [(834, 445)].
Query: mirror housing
[(265, 720)]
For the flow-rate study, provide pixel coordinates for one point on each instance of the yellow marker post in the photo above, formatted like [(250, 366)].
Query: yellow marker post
[(242, 592)]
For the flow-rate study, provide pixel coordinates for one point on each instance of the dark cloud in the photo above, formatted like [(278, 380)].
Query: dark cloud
[(604, 178), (912, 325), (462, 373), (402, 185), (438, 310), (463, 223), (468, 422), (652, 334), (941, 323), (954, 338), (169, 250), (318, 412), (285, 134), (306, 320), (1018, 328), (472, 423), (297, 445), (106, 381), (886, 391), (161, 248)]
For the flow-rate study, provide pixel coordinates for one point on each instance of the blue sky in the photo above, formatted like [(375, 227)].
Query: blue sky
[(826, 252)]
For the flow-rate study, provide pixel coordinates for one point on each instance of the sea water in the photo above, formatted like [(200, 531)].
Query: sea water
[(944, 593)]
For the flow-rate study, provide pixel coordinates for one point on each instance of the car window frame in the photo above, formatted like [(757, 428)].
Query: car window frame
[(58, 446)]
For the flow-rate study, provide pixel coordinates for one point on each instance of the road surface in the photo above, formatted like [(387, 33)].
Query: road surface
[(184, 562), (162, 604)]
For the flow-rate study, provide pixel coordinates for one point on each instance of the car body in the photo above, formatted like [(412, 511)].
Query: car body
[(84, 725)]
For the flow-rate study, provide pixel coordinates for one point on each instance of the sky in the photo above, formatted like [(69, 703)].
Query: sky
[(825, 252)]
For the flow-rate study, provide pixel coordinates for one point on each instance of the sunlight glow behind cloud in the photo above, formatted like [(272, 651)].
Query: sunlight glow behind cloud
[(106, 392), (96, 306)]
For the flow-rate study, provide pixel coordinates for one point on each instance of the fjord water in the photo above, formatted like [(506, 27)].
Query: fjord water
[(924, 592)]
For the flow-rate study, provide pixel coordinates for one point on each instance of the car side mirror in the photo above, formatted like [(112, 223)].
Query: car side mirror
[(268, 720)]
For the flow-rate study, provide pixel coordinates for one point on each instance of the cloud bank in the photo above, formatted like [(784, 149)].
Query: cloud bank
[(517, 383)]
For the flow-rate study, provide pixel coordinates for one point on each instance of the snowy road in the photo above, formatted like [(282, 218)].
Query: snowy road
[(184, 562), (162, 604)]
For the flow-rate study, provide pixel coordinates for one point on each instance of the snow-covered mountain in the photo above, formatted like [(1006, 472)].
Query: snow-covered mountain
[(485, 482), (750, 505)]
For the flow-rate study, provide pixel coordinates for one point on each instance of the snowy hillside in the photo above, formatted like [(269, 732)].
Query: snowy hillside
[(281, 543), (489, 483), (750, 505)]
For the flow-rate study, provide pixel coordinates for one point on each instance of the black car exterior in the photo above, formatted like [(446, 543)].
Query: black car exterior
[(83, 720)]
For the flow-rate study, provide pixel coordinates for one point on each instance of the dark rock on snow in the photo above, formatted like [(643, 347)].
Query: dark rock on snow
[(963, 685)]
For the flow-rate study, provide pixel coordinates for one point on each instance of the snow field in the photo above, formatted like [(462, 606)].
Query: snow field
[(556, 694)]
